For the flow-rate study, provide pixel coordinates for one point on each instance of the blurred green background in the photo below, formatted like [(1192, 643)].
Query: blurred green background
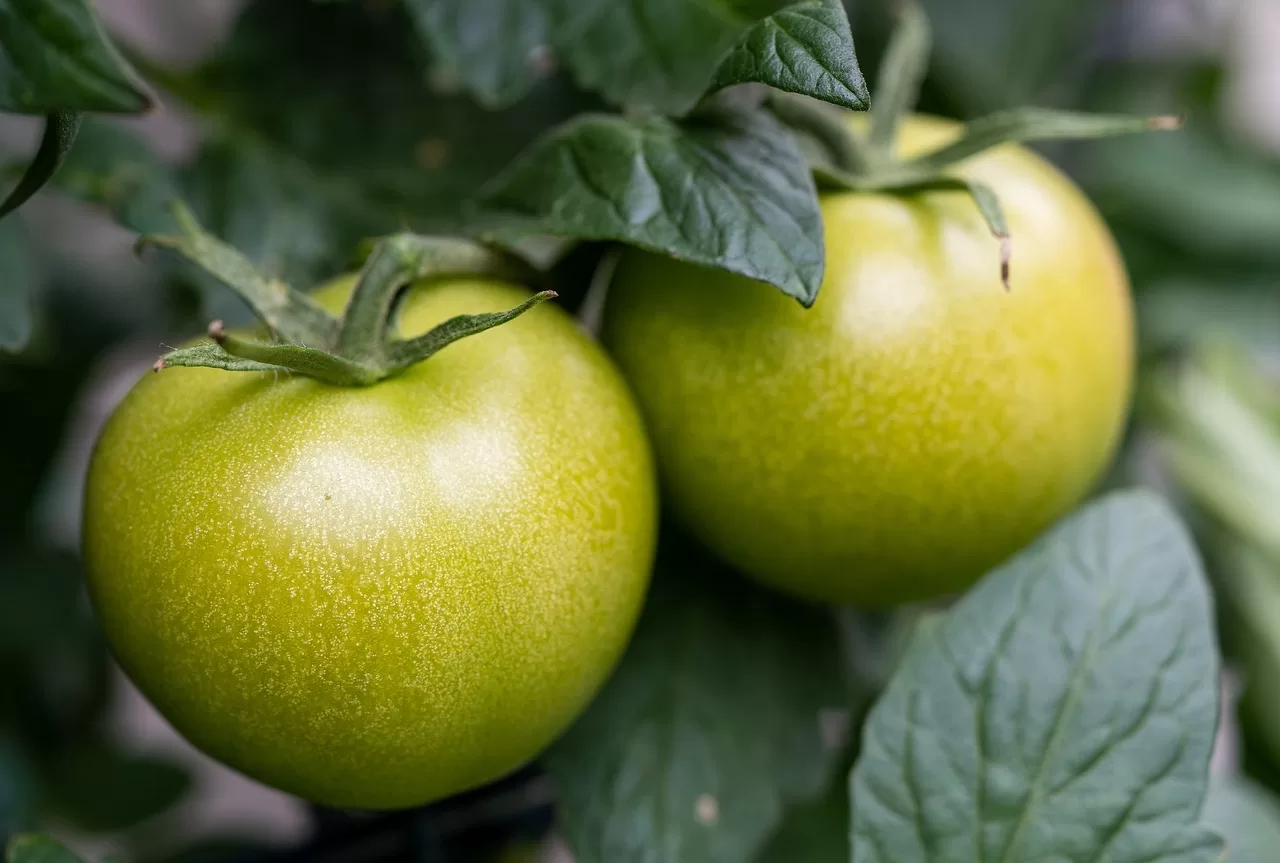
[(298, 127)]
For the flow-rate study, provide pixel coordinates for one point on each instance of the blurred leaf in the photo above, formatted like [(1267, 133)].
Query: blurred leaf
[(17, 786), (100, 789), (816, 832), (666, 54), (490, 44), (1208, 201), (1247, 816), (114, 168), (55, 57), (994, 54), (708, 727), (727, 189), (18, 284), (364, 148), (1064, 710), (52, 659), (1179, 312), (31, 848)]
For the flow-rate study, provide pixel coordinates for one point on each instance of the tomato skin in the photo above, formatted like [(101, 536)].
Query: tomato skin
[(376, 597), (919, 423)]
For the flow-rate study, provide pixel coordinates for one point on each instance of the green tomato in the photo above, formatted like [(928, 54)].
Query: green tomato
[(919, 423), (377, 597)]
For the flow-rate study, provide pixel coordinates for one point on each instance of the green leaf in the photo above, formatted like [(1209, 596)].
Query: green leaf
[(55, 57), (365, 149), (32, 848), (666, 54), (491, 45), (1247, 816), (1204, 198), (727, 189), (1065, 710), (18, 283), (17, 785), (99, 789), (816, 832), (803, 48), (709, 726), (112, 167)]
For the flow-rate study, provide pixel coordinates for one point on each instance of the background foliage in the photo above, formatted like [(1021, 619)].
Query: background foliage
[(317, 124)]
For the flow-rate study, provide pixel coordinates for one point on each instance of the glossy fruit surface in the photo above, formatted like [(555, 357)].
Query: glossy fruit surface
[(375, 597), (919, 423)]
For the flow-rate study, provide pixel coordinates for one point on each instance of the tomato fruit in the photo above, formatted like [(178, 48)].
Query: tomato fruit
[(376, 597), (919, 423)]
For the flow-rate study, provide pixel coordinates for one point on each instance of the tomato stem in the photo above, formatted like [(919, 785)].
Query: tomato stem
[(359, 349), (905, 64), (841, 158)]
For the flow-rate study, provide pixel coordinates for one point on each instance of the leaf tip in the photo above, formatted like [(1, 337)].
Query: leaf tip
[(1166, 123)]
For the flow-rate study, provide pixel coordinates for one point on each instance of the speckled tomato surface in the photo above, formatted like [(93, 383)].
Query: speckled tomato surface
[(377, 597), (919, 423)]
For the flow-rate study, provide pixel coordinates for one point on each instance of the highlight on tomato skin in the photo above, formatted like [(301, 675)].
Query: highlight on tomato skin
[(919, 423)]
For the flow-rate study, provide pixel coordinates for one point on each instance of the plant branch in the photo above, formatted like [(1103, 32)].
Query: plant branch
[(906, 61)]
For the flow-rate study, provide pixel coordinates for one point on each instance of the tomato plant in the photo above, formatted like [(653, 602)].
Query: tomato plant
[(534, 429)]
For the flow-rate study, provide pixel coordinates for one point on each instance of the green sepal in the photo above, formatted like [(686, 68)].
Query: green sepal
[(289, 314), (1035, 124), (407, 352), (211, 356), (399, 261)]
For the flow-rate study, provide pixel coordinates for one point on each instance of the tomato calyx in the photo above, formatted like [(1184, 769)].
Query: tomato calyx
[(843, 159), (358, 349)]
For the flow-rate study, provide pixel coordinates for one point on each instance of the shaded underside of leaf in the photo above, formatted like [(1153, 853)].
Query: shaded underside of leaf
[(1064, 710), (727, 189), (709, 726)]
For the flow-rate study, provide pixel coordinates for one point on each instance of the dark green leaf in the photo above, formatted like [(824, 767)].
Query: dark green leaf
[(491, 45), (365, 148), (17, 786), (816, 832), (1247, 816), (18, 283), (112, 167), (31, 848), (666, 54), (727, 189), (803, 48), (55, 57), (1064, 710), (99, 789), (59, 134), (710, 725)]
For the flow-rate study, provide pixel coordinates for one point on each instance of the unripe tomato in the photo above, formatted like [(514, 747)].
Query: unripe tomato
[(376, 597), (919, 423)]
